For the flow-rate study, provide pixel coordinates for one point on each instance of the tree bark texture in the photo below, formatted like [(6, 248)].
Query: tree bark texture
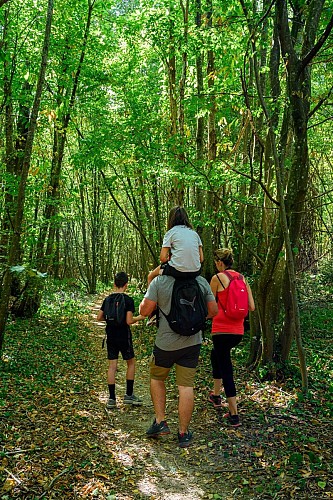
[(20, 202)]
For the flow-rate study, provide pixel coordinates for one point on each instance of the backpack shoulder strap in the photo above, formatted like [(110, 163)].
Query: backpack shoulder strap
[(231, 277), (220, 280), (109, 297), (159, 307)]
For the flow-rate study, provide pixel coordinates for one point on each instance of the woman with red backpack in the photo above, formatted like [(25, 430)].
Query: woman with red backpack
[(234, 299)]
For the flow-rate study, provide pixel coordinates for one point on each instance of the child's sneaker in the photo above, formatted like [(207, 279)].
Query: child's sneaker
[(156, 430), (185, 439), (151, 321), (132, 400), (111, 403), (232, 420), (152, 318), (215, 400)]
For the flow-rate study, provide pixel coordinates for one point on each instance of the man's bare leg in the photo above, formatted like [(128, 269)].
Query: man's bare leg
[(185, 407), (158, 396)]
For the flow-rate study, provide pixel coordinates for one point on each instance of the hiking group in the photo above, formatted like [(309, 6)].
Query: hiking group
[(181, 300)]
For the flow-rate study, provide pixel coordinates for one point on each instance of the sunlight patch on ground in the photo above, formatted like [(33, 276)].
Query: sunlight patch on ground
[(102, 396), (273, 396), (124, 458), (170, 488)]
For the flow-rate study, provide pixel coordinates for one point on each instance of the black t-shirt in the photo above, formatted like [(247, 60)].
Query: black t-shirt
[(119, 331)]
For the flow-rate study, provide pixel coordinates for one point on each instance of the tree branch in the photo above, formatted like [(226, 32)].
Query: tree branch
[(224, 209), (320, 103), (315, 49), (126, 216)]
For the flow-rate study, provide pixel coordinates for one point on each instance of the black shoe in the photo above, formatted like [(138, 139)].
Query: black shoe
[(156, 430), (215, 400), (232, 420), (185, 439)]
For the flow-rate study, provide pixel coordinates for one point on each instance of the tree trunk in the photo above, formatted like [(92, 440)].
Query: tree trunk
[(207, 233), (20, 202), (47, 232)]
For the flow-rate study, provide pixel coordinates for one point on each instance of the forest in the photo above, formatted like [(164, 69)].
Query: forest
[(112, 112)]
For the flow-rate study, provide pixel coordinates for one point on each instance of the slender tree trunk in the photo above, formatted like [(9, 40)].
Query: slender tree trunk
[(207, 233), (200, 121), (47, 233), (20, 202)]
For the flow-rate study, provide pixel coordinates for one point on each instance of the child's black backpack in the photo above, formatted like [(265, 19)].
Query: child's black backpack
[(188, 308), (114, 309)]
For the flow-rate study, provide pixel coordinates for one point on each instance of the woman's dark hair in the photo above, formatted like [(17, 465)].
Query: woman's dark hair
[(178, 217), (225, 256), (120, 279)]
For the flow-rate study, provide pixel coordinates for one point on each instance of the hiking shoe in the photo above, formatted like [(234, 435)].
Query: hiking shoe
[(156, 430), (185, 439), (132, 400), (111, 403), (232, 420), (215, 400), (152, 319)]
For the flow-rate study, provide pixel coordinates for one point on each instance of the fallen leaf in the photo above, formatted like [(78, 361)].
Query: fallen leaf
[(9, 485)]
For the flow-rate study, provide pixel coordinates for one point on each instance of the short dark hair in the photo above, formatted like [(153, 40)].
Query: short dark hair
[(178, 217), (120, 279)]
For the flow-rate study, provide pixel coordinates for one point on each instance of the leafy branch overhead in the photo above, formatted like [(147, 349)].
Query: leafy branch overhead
[(113, 112)]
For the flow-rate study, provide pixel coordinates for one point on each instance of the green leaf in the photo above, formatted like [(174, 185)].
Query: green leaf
[(17, 269)]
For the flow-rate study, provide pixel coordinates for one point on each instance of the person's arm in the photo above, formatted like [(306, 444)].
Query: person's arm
[(164, 255), (214, 284), (146, 307), (212, 309), (100, 315), (251, 299), (130, 319), (155, 272), (201, 255)]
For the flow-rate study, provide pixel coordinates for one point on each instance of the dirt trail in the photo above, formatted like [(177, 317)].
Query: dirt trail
[(156, 469)]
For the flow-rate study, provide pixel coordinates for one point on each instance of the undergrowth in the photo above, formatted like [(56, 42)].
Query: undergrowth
[(48, 374)]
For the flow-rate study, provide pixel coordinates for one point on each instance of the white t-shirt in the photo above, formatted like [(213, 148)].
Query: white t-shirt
[(184, 243)]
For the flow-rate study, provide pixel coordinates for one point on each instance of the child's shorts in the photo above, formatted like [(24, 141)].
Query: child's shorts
[(172, 271), (123, 346)]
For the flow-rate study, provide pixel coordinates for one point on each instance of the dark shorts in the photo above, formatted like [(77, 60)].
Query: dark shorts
[(186, 361), (171, 271), (122, 345)]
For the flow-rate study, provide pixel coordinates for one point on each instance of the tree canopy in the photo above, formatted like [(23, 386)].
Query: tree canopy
[(114, 111)]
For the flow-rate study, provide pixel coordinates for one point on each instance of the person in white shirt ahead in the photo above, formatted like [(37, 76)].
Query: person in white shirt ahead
[(181, 248)]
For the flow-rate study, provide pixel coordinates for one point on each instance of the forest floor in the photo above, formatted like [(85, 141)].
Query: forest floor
[(59, 441)]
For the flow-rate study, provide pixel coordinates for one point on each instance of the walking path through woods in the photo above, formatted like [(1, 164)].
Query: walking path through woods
[(222, 463), (59, 441), (154, 468)]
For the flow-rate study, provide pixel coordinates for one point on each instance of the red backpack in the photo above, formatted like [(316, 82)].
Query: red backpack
[(237, 305)]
